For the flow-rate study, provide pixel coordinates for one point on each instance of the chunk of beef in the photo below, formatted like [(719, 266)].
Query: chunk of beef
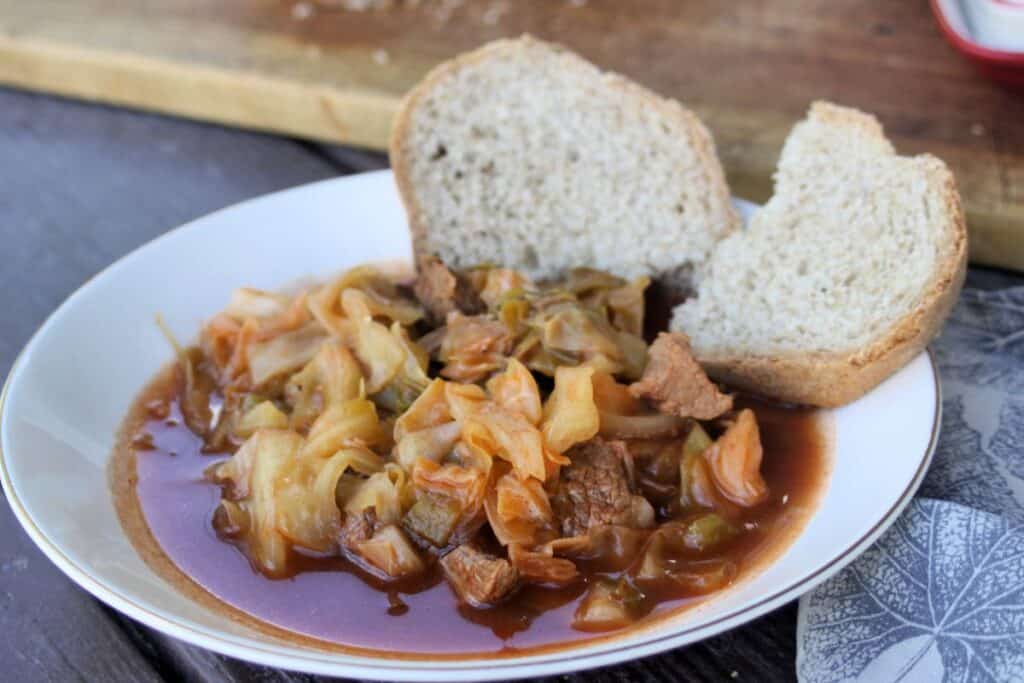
[(357, 528), (382, 549), (441, 291), (595, 490), (478, 578), (676, 383)]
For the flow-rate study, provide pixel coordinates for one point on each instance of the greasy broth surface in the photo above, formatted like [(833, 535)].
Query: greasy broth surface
[(328, 601)]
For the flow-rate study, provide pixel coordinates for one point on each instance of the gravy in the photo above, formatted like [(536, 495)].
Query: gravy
[(167, 506)]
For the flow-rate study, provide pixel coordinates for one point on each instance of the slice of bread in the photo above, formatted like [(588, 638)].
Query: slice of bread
[(842, 277), (524, 154)]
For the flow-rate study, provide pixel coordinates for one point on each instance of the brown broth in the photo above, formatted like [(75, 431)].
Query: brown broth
[(166, 506)]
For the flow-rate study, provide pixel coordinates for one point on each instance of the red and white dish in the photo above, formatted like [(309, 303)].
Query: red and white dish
[(990, 33)]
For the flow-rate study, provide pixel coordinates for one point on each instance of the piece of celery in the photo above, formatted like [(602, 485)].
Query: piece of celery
[(433, 519)]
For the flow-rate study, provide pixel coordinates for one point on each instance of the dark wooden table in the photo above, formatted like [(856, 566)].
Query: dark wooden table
[(81, 185)]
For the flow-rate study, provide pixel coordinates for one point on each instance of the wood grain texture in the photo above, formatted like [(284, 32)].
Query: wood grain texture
[(51, 630), (82, 185), (750, 69)]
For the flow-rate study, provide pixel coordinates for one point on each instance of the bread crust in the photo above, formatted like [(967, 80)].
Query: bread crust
[(834, 379), (699, 136)]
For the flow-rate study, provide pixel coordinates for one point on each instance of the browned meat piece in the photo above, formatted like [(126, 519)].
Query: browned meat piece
[(478, 578), (594, 490), (382, 549), (676, 383), (358, 528), (441, 291)]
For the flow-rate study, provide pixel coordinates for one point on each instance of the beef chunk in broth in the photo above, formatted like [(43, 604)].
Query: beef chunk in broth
[(478, 578), (441, 291), (676, 383), (595, 490), (357, 528)]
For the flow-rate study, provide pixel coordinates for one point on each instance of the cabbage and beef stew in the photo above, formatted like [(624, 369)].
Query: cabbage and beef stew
[(520, 442)]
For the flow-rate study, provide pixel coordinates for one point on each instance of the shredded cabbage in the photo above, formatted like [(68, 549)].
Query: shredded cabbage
[(464, 400), (606, 548), (325, 306), (218, 340), (473, 347), (411, 379), (515, 390), (346, 445), (351, 423), (735, 461), (247, 302), (570, 416), (387, 492), (519, 511), (307, 496), (462, 484), (651, 426), (330, 379), (508, 436), (384, 300), (541, 567), (263, 415), (283, 354), (612, 397), (498, 282), (431, 443), (381, 300), (430, 409), (251, 477)]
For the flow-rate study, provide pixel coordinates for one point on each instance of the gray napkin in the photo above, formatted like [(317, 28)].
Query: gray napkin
[(940, 597)]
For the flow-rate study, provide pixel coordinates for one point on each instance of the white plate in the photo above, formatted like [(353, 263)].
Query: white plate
[(73, 383)]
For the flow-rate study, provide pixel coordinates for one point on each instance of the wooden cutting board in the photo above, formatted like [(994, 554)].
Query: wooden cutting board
[(748, 68)]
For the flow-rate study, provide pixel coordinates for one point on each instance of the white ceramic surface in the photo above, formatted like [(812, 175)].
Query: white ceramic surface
[(995, 24), (73, 383)]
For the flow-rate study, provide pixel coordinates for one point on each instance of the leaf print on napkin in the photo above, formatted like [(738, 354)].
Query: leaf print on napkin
[(964, 471), (1008, 442), (940, 597), (982, 342)]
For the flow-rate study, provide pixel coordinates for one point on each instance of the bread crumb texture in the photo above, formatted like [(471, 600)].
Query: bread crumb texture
[(851, 242), (524, 154)]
